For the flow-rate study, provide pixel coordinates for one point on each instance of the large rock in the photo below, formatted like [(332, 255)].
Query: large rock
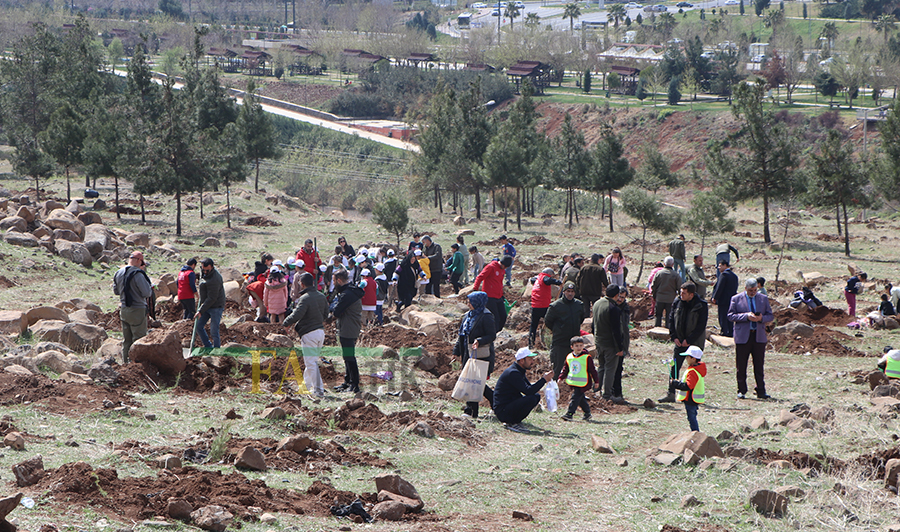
[(430, 323), (447, 381), (395, 484), (138, 239), (250, 458), (48, 330), (111, 348), (721, 341), (104, 373), (599, 444), (297, 444), (96, 239), (230, 274), (412, 505), (16, 238), (75, 252), (90, 317), (12, 322), (82, 338), (16, 223), (215, 518), (161, 349), (8, 504), (389, 511), (659, 333), (891, 473), (698, 442), (29, 472), (768, 502), (26, 213), (232, 291), (65, 234), (63, 219), (45, 313), (55, 361), (90, 218), (179, 508), (794, 329)]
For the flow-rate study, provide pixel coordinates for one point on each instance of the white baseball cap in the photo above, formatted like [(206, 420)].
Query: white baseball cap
[(379, 267), (524, 353), (694, 351)]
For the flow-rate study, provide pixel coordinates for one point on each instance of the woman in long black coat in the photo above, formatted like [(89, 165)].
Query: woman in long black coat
[(476, 330), (407, 275)]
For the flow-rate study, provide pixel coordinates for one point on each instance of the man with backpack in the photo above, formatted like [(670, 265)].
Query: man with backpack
[(133, 287)]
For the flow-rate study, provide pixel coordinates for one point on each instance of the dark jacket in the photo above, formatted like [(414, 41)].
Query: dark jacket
[(591, 282), (608, 324), (485, 331), (625, 319), (310, 310), (665, 285), (676, 249), (564, 318), (406, 276), (512, 385), (347, 308), (132, 286), (726, 287), (212, 291), (687, 321), (697, 276), (853, 285), (436, 255)]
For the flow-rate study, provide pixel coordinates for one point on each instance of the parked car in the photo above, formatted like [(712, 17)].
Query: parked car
[(684, 4), (660, 8), (732, 2), (520, 5), (709, 54), (759, 58), (633, 5), (479, 5), (648, 9), (495, 13)]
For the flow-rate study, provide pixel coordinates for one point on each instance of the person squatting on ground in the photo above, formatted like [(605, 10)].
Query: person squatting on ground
[(692, 386), (308, 319), (477, 333), (514, 396), (609, 342), (580, 374), (687, 327), (563, 318), (212, 303), (133, 287), (665, 290), (491, 277), (890, 363), (187, 289), (347, 308), (750, 311), (541, 295)]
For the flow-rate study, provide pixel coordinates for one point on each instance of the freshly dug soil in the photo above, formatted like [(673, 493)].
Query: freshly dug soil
[(58, 397), (820, 316), (261, 221), (137, 498), (818, 463), (439, 348), (824, 341)]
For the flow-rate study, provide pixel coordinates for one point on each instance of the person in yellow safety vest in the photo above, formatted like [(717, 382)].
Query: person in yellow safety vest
[(890, 363), (691, 390), (580, 374)]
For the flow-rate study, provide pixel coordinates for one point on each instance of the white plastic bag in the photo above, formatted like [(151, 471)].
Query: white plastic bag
[(551, 396), (470, 385)]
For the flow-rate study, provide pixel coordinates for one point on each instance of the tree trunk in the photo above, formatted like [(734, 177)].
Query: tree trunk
[(256, 183), (37, 187), (228, 203), (116, 181), (87, 179), (518, 208), (440, 201), (643, 251), (435, 196), (702, 243), (478, 202), (611, 215), (201, 202), (178, 213), (767, 237), (571, 206), (846, 232), (493, 201), (575, 207), (505, 209), (69, 186), (143, 213), (837, 217)]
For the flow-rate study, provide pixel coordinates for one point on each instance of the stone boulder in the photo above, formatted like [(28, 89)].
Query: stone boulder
[(794, 329), (90, 317), (16, 223), (211, 242), (104, 373), (138, 239), (96, 239), (55, 361), (50, 206), (45, 313), (430, 323), (250, 458), (48, 330), (29, 472), (74, 207), (81, 338), (395, 484), (160, 349), (111, 348), (75, 252), (389, 511), (891, 473), (230, 274), (297, 444), (90, 218), (63, 219), (659, 333), (232, 291), (215, 518), (26, 213), (411, 505), (768, 502), (65, 234), (698, 442), (12, 322), (25, 240), (178, 508)]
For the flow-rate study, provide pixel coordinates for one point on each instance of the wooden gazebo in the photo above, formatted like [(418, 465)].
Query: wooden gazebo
[(539, 73)]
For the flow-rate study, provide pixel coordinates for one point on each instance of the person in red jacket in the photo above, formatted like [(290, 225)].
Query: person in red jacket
[(370, 296), (310, 257), (492, 278), (541, 296), (187, 289)]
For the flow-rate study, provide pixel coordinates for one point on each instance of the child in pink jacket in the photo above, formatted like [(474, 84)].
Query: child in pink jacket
[(275, 295)]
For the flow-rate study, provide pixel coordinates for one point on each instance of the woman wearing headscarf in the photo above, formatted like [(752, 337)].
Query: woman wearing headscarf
[(477, 330), (406, 276)]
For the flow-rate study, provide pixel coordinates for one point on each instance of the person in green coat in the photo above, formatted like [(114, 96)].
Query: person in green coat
[(457, 268)]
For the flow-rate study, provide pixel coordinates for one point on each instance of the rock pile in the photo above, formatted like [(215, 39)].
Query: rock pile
[(396, 497)]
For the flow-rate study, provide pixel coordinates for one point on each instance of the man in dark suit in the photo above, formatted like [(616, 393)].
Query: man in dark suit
[(726, 287), (750, 312)]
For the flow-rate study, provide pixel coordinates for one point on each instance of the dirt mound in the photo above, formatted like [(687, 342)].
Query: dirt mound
[(56, 396), (828, 317), (6, 283), (800, 460), (641, 304), (261, 221), (248, 333), (395, 337), (172, 311), (137, 498), (824, 341), (829, 238), (704, 528), (873, 463), (496, 242), (538, 240), (111, 321)]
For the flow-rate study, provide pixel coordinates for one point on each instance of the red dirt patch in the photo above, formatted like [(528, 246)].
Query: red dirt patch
[(261, 221), (397, 338), (820, 316), (800, 460), (56, 396), (824, 341), (6, 283), (78, 484)]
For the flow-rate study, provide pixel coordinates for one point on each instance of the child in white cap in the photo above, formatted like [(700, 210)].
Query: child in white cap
[(381, 282), (691, 389)]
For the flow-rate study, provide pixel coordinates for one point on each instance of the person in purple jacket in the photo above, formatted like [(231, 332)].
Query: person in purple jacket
[(750, 312)]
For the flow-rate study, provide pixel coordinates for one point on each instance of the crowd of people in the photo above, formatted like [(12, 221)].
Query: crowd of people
[(353, 286)]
